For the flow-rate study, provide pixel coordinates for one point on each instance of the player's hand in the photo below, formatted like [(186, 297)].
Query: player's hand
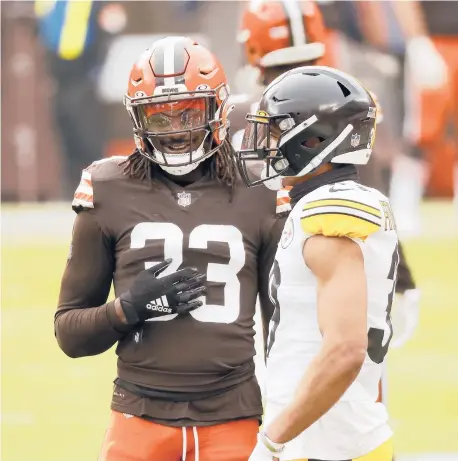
[(265, 450), (427, 67), (151, 296)]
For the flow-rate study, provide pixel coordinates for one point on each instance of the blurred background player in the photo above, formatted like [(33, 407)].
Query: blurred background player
[(186, 384), (76, 46), (430, 29), (278, 36)]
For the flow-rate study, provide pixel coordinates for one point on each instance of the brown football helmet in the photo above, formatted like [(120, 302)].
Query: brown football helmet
[(282, 33), (177, 99)]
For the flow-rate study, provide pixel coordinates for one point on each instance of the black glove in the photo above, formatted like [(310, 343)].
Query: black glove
[(151, 297)]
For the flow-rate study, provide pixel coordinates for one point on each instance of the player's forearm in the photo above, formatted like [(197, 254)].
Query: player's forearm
[(82, 332), (329, 376), (373, 29), (410, 18)]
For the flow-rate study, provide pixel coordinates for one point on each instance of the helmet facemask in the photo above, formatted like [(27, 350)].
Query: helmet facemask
[(260, 160), (177, 131)]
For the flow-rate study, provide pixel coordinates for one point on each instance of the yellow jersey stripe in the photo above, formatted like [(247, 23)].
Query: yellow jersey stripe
[(74, 30), (344, 202), (338, 225), (340, 209)]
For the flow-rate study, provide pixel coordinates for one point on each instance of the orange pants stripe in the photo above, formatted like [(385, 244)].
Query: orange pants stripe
[(135, 439)]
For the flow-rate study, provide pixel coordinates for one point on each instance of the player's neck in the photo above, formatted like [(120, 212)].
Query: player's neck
[(292, 180), (186, 179)]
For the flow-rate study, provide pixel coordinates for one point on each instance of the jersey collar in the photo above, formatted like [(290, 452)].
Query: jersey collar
[(343, 173)]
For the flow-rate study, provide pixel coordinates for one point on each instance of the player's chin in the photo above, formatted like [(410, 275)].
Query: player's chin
[(176, 148), (181, 146)]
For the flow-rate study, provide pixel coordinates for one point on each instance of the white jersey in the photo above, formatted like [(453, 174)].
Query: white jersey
[(357, 424)]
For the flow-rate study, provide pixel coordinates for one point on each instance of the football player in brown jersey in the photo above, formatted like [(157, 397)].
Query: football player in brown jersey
[(185, 387)]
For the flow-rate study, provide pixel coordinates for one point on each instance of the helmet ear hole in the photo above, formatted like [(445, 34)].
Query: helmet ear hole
[(312, 142)]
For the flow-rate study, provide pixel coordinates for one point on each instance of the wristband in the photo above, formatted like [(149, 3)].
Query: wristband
[(269, 444)]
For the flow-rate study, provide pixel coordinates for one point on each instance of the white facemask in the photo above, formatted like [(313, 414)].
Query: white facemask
[(180, 158)]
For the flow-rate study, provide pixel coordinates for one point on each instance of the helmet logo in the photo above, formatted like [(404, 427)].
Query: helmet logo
[(140, 94), (355, 138), (202, 87)]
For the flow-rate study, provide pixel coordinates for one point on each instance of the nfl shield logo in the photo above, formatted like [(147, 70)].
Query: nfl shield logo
[(355, 140), (184, 199)]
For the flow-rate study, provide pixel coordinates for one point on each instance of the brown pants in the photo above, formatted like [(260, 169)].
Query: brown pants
[(129, 438)]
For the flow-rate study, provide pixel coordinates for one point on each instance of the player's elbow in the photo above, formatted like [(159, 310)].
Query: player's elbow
[(68, 347), (68, 343), (351, 353), (72, 352)]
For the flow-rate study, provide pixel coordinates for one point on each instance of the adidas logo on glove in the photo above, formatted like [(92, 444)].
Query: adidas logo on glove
[(159, 305)]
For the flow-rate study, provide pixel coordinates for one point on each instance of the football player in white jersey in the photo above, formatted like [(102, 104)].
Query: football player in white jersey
[(335, 271)]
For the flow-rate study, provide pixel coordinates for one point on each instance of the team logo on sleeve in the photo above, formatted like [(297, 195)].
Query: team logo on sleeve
[(288, 234)]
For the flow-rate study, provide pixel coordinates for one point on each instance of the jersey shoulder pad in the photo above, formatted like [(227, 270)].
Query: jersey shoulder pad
[(100, 170), (344, 209)]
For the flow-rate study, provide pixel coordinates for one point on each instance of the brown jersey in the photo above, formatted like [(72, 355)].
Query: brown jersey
[(196, 369)]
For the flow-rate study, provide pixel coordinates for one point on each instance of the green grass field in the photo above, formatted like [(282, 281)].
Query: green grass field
[(56, 409)]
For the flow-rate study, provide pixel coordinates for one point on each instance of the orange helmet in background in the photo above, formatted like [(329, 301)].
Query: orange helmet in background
[(278, 33), (177, 99)]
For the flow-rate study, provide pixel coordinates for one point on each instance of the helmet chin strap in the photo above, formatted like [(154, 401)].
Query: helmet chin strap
[(180, 170)]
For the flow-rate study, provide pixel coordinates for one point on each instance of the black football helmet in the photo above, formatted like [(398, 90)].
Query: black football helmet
[(307, 117)]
